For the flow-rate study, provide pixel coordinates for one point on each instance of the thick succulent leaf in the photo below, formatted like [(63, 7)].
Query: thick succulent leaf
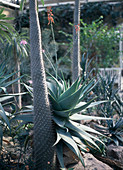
[(84, 129), (84, 117), (3, 115), (25, 111), (63, 82), (101, 128), (59, 151), (59, 121), (70, 143), (70, 101), (81, 107), (79, 143), (52, 89), (79, 155), (4, 89), (66, 136), (30, 107), (119, 124), (77, 140), (9, 96), (6, 77), (24, 117), (97, 103), (86, 140), (30, 89), (87, 92), (86, 88), (82, 148), (55, 104), (115, 140), (120, 138), (70, 91), (57, 140), (60, 86), (2, 68), (83, 134), (2, 99), (52, 94), (11, 82), (63, 113)]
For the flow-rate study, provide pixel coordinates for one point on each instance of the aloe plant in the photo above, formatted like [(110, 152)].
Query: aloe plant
[(68, 108), (114, 130), (106, 91)]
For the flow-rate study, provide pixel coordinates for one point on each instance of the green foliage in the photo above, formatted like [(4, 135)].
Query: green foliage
[(86, 69), (16, 51), (101, 42), (66, 104), (5, 28), (5, 99), (114, 130), (106, 91), (16, 46)]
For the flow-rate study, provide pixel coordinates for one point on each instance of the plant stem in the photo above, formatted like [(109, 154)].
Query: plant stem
[(56, 57)]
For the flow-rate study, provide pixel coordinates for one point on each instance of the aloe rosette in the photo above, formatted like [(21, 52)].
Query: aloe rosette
[(67, 111), (67, 106)]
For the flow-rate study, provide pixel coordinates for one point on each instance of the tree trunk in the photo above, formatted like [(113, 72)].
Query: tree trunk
[(76, 42), (43, 125)]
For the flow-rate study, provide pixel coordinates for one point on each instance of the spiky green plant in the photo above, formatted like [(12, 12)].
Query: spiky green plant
[(106, 90), (5, 98), (68, 107), (114, 130)]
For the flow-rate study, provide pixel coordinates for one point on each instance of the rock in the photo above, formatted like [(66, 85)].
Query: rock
[(114, 157), (70, 158), (91, 163), (115, 152)]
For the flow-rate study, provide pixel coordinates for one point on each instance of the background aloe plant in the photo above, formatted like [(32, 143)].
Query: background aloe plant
[(106, 90)]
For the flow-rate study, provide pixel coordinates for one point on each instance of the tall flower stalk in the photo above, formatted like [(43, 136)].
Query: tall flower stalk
[(43, 126), (51, 21)]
